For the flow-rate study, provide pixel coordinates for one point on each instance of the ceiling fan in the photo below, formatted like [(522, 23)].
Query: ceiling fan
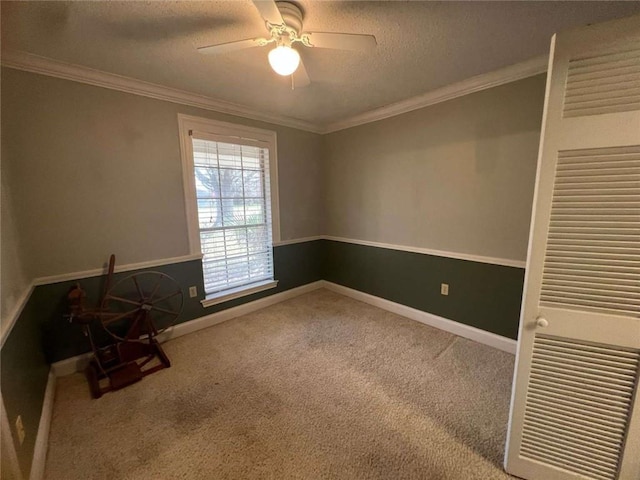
[(284, 24)]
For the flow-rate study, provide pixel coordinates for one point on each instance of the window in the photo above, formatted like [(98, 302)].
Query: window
[(231, 201)]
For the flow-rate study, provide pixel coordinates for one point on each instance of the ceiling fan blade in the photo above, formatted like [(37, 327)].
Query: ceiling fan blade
[(230, 46), (300, 76), (342, 41), (269, 11)]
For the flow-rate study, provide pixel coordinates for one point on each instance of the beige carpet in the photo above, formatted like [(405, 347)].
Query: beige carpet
[(318, 387)]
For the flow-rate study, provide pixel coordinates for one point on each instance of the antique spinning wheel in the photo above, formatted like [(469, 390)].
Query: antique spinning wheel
[(141, 306), (133, 311)]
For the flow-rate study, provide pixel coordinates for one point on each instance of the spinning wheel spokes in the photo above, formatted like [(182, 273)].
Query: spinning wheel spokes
[(125, 300), (157, 298), (135, 280), (155, 289), (107, 318), (164, 310), (177, 292)]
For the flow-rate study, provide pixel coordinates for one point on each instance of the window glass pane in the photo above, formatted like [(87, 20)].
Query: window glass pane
[(237, 271), (253, 183), (229, 155), (233, 212), (214, 274), (258, 239), (209, 213), (254, 211), (251, 158), (233, 204), (231, 182), (235, 242), (207, 182), (205, 153), (212, 245), (259, 265)]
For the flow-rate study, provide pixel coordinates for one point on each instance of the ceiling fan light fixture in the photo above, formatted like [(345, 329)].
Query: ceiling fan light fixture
[(284, 60)]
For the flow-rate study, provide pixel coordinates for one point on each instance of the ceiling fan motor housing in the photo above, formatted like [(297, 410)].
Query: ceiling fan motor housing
[(291, 14)]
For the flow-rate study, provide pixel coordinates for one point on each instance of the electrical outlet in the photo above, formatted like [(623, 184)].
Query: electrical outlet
[(193, 291), (20, 429), (444, 289)]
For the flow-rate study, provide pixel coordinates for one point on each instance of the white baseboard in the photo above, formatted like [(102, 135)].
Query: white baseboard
[(70, 365), (42, 438), (460, 329), (79, 362), (224, 315)]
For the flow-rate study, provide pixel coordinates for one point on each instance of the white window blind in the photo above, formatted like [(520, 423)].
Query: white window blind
[(234, 213)]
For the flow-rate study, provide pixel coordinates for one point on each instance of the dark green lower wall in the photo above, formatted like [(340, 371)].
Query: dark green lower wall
[(23, 379), (482, 295), (294, 265), (42, 335)]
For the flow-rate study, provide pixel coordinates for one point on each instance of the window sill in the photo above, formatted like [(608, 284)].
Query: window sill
[(225, 296)]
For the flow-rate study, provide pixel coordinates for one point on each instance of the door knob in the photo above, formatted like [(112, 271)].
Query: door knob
[(542, 322)]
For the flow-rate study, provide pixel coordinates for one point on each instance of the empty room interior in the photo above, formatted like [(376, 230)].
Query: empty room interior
[(320, 240)]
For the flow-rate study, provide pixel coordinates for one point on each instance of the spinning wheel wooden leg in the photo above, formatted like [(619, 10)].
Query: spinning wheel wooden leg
[(93, 379)]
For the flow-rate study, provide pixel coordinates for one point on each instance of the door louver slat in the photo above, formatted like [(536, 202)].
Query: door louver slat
[(606, 438), (577, 405), (593, 277), (596, 86), (569, 346), (595, 357), (605, 284), (579, 384), (603, 254), (591, 244), (603, 83), (576, 97), (558, 446), (588, 371), (582, 285), (584, 399), (585, 441), (593, 252), (577, 466)]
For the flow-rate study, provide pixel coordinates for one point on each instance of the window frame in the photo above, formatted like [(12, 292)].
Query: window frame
[(231, 133)]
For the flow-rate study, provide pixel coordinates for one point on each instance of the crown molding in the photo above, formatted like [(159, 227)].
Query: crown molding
[(29, 62), (529, 68)]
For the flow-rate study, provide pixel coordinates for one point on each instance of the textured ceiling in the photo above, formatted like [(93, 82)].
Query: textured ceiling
[(421, 46)]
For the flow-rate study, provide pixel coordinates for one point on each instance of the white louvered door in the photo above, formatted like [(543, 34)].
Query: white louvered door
[(575, 411)]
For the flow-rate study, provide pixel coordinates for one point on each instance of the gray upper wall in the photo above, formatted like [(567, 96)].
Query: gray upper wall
[(457, 176), (94, 171), (14, 280), (88, 171)]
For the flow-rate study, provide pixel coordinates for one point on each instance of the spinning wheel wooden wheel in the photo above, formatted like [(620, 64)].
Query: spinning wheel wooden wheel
[(133, 311), (141, 306)]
